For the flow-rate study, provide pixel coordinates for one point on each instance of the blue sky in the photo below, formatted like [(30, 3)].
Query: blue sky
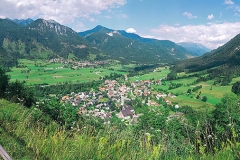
[(208, 22)]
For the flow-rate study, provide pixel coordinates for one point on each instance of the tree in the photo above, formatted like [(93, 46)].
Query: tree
[(226, 116), (153, 122), (204, 99), (172, 75), (4, 80), (236, 88), (19, 93), (189, 91)]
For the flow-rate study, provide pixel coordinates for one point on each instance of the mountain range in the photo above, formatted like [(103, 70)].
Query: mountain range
[(47, 39), (23, 22), (40, 39), (194, 48), (228, 55), (130, 47)]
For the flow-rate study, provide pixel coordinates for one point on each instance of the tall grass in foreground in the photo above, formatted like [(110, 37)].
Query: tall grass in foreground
[(36, 132)]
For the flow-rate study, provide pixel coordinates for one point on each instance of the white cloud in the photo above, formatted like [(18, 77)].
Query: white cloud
[(131, 30), (211, 16), (189, 15), (211, 35), (123, 16), (228, 2), (92, 20), (59, 10), (220, 15), (237, 8), (108, 17)]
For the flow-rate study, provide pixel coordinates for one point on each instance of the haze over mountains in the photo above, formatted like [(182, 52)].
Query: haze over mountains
[(196, 49)]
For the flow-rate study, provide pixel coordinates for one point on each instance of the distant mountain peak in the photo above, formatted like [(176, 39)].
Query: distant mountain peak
[(43, 25), (113, 33), (43, 39), (23, 22), (98, 28), (51, 21), (195, 48)]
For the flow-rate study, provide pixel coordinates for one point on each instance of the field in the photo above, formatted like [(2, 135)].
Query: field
[(159, 74), (53, 73), (212, 92)]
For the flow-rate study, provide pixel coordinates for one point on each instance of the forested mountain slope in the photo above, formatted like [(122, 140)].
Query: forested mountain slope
[(41, 39), (130, 47), (228, 54), (23, 22), (46, 39)]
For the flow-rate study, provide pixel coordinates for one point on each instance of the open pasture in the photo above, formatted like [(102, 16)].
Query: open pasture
[(214, 93), (184, 100), (159, 74), (40, 72)]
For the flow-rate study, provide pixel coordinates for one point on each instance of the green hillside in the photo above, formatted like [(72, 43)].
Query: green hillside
[(131, 48), (228, 54), (35, 136), (46, 39), (40, 40)]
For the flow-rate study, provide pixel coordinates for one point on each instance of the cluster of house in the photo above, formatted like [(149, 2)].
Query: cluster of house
[(78, 64), (113, 95)]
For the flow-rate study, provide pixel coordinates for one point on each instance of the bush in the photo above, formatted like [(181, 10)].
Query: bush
[(204, 99), (236, 88)]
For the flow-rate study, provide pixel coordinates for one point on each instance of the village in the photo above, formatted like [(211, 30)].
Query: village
[(113, 99), (78, 64)]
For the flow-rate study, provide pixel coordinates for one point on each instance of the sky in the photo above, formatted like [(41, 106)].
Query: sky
[(208, 22)]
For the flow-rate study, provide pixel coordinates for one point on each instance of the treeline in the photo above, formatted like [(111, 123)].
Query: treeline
[(145, 67), (44, 90)]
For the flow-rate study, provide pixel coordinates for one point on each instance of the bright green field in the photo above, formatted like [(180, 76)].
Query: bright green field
[(213, 93), (51, 73), (156, 75)]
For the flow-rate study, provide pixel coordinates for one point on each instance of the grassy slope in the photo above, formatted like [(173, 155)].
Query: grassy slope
[(52, 142), (26, 130), (14, 146)]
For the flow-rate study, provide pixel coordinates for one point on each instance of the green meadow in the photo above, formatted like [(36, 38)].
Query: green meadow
[(53, 73), (214, 93), (159, 74)]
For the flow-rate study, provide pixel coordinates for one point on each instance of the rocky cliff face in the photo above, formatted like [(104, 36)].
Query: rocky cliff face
[(45, 26)]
